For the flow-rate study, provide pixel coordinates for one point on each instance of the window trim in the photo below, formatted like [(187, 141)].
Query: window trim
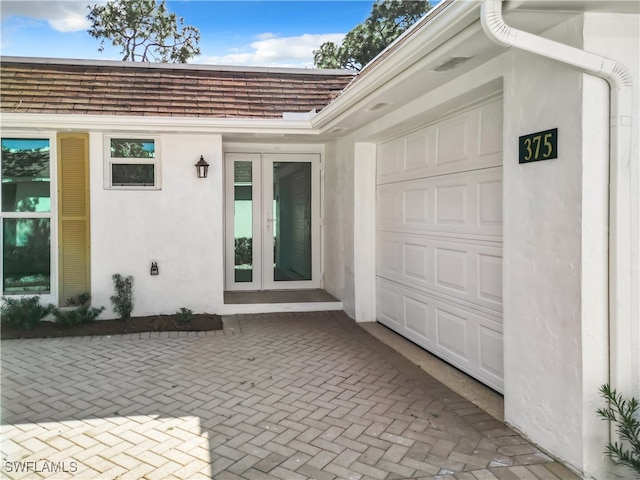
[(51, 295), (109, 161)]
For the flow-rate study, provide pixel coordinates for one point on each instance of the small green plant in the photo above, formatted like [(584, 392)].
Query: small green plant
[(122, 301), (625, 415), (24, 312), (79, 300), (85, 313), (184, 315)]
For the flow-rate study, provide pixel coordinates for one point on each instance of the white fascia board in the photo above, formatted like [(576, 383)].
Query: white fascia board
[(444, 25), (63, 122)]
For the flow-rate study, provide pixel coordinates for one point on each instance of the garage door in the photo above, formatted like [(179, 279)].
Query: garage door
[(439, 239)]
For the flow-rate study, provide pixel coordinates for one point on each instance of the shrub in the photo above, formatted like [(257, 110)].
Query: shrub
[(24, 312), (624, 413), (85, 313), (122, 301), (184, 315), (79, 300)]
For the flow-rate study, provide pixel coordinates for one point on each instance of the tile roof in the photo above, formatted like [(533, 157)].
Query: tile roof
[(119, 88)]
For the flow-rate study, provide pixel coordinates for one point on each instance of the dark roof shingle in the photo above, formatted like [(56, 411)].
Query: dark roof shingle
[(126, 89)]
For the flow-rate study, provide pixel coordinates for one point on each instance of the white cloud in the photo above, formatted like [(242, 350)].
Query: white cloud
[(63, 16), (272, 51), (266, 36)]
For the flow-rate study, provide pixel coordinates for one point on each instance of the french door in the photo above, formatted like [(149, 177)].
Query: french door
[(272, 221)]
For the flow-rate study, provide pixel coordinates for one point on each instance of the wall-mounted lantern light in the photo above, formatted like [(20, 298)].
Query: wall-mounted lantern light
[(202, 168), (154, 268)]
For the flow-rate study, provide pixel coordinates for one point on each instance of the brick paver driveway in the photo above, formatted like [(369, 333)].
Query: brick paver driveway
[(288, 396)]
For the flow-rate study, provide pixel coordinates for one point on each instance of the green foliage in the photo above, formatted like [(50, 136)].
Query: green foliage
[(184, 315), (84, 313), (130, 148), (79, 300), (27, 262), (30, 163), (243, 251), (25, 312), (625, 415), (145, 31), (386, 22), (122, 301)]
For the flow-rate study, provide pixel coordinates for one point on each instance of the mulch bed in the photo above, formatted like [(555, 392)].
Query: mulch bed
[(154, 323)]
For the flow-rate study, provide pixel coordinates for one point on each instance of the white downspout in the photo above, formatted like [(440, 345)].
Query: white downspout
[(623, 252)]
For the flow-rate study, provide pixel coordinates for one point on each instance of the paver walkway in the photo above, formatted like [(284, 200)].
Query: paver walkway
[(287, 396)]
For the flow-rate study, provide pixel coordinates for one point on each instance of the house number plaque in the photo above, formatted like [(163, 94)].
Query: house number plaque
[(538, 146)]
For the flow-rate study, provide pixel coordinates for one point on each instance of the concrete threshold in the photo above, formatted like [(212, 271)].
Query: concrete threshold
[(467, 387)]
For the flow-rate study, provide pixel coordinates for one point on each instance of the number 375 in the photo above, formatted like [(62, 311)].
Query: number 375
[(538, 146)]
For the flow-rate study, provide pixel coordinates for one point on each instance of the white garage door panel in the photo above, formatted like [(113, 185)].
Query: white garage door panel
[(468, 141), (467, 203), (491, 360), (439, 239), (464, 270), (389, 306), (468, 339)]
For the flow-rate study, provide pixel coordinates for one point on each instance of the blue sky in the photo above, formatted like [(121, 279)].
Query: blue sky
[(266, 33)]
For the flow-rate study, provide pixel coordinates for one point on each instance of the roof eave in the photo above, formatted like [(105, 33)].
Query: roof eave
[(52, 121), (443, 23)]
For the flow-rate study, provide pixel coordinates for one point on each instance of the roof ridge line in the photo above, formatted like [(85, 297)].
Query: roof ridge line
[(172, 66)]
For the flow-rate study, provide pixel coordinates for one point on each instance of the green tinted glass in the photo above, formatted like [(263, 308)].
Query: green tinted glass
[(133, 148), (25, 175), (26, 256), (133, 174), (243, 221)]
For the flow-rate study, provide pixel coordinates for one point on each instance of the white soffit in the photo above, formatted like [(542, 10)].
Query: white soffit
[(453, 32)]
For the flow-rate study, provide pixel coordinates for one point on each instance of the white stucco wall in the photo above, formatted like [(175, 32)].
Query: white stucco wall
[(364, 232), (338, 222), (555, 240), (542, 255), (179, 226)]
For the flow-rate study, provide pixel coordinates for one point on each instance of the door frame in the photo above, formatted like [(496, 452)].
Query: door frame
[(262, 189)]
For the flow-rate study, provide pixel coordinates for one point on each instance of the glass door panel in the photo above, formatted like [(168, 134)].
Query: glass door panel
[(243, 269), (272, 221), (243, 221), (291, 221)]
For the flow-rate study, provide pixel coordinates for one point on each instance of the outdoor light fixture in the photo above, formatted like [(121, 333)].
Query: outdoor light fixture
[(202, 168), (154, 268)]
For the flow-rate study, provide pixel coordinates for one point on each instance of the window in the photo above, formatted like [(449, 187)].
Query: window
[(132, 163), (25, 165)]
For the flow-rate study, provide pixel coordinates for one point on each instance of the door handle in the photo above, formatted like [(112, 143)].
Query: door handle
[(269, 222)]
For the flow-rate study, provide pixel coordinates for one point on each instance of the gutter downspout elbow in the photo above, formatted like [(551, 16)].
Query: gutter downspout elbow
[(624, 216), (497, 30)]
